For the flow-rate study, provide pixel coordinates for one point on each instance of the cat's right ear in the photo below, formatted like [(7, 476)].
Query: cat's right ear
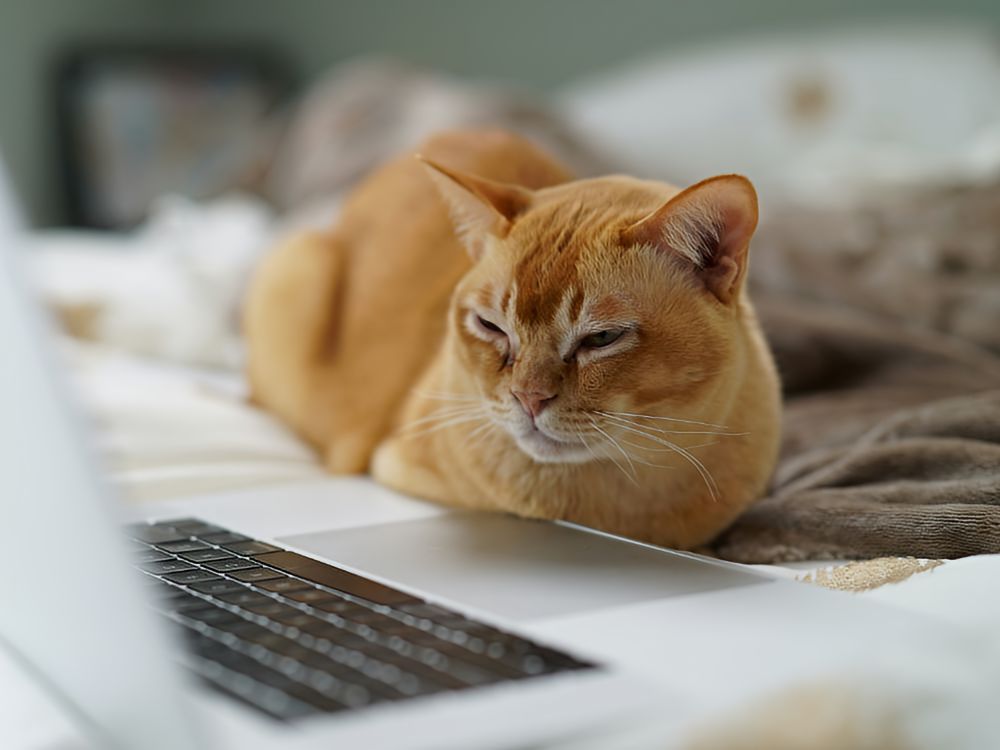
[(479, 207), (708, 226)]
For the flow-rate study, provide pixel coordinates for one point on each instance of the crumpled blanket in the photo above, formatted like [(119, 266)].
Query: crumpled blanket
[(891, 442), (927, 255)]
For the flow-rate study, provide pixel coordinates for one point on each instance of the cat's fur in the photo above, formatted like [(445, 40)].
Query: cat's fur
[(438, 342)]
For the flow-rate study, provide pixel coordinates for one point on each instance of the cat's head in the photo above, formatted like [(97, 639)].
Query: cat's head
[(595, 301)]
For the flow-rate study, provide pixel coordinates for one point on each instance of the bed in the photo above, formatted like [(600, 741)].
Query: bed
[(200, 435)]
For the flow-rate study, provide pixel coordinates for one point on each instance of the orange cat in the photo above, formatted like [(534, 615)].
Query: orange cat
[(581, 350)]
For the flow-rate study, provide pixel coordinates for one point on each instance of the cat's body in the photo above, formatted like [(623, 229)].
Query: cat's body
[(552, 357)]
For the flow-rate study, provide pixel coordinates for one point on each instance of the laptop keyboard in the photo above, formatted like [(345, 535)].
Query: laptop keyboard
[(295, 637)]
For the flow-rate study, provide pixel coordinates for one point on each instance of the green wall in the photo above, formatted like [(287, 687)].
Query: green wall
[(538, 43)]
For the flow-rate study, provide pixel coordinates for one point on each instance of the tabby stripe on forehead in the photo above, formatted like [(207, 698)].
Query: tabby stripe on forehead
[(575, 305), (543, 275), (484, 298), (505, 300)]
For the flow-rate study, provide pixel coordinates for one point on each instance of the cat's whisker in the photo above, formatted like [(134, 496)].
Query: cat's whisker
[(706, 444), (647, 449), (612, 441), (484, 427), (442, 413), (666, 419), (480, 433), (635, 458), (702, 470), (441, 418), (443, 396), (583, 440), (651, 464), (624, 420), (453, 422)]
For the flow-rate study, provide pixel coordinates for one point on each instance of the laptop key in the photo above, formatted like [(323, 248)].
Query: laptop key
[(284, 584), (431, 680), (223, 537), (216, 587), (289, 651), (255, 574), (312, 596), (295, 619), (364, 616), (185, 545), (335, 578), (206, 554), (214, 616), (251, 548), (483, 661), (245, 598), (337, 606), (429, 611), (268, 608), (230, 563), (470, 673), (186, 608), (151, 555), (329, 636), (247, 630), (167, 566), (187, 577), (193, 527), (163, 592), (153, 534), (263, 637), (392, 627)]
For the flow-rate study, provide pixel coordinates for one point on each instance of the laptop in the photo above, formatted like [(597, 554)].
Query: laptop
[(340, 614)]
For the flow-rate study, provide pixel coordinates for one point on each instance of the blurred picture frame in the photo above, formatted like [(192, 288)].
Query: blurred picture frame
[(134, 123)]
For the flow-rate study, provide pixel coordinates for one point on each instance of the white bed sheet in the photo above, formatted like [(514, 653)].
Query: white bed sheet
[(167, 431)]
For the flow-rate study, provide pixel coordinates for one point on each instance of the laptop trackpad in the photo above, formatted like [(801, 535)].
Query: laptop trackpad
[(515, 568)]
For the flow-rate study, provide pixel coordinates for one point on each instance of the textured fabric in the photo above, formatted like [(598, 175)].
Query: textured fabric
[(891, 444), (364, 112), (167, 432), (927, 256), (865, 575)]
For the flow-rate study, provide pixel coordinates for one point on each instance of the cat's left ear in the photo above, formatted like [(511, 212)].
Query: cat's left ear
[(709, 226), (479, 207)]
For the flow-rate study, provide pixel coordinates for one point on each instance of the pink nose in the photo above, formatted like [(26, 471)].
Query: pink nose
[(534, 401)]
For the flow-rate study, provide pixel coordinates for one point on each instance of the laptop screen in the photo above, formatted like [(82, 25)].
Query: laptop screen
[(72, 612)]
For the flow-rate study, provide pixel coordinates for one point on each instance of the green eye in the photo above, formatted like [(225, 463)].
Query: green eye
[(600, 339)]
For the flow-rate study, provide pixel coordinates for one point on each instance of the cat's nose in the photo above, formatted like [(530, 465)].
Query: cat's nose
[(534, 401)]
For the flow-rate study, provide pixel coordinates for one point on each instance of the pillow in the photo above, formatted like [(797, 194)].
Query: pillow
[(819, 111)]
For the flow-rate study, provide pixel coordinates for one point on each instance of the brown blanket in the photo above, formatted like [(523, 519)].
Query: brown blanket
[(891, 443), (892, 409)]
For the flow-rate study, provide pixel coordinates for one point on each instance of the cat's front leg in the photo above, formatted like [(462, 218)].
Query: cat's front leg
[(398, 465)]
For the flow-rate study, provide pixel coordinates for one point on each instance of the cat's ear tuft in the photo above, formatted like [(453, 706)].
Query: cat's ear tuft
[(708, 226), (479, 207)]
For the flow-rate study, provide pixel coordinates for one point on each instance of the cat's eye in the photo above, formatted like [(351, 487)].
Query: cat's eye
[(488, 325), (601, 339)]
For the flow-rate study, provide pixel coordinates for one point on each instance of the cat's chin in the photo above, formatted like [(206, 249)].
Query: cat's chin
[(547, 450)]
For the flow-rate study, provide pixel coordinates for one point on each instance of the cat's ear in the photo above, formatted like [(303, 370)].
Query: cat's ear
[(478, 207), (709, 226)]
